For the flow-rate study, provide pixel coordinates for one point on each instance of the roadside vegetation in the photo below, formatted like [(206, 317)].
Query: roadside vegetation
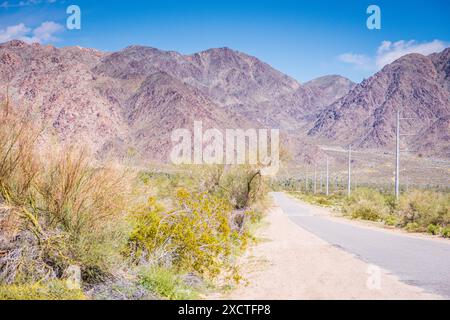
[(416, 210), (129, 234)]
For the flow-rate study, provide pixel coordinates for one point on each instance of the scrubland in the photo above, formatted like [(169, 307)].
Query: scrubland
[(416, 210), (132, 234)]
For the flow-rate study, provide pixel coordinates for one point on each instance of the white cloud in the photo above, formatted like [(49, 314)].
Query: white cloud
[(23, 3), (358, 60), (14, 32), (389, 51), (42, 34), (45, 32)]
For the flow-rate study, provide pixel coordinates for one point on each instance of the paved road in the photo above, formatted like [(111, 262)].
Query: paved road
[(420, 262)]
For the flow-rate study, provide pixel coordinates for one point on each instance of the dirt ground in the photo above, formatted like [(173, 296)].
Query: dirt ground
[(291, 263)]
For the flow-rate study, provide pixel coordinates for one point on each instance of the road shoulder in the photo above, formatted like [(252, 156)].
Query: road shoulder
[(332, 214), (291, 263)]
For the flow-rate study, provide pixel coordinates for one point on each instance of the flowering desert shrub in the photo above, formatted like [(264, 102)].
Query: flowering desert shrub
[(196, 235)]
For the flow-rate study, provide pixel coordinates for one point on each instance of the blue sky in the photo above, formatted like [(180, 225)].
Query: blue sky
[(304, 39)]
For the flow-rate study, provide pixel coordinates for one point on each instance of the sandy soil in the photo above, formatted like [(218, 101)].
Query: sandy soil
[(291, 263)]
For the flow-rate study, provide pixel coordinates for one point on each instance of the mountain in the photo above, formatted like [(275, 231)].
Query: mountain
[(133, 99), (58, 86), (416, 85), (329, 89)]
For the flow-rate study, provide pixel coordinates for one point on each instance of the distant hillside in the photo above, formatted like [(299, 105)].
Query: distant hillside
[(133, 99), (416, 85)]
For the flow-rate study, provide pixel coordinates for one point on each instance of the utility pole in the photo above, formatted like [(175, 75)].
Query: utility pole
[(315, 178), (328, 178), (397, 158), (321, 182), (397, 153), (306, 182), (349, 182)]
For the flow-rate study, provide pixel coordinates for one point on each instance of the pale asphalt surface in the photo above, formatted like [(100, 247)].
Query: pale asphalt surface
[(416, 261)]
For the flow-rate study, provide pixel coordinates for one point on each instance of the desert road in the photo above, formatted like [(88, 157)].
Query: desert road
[(417, 261)]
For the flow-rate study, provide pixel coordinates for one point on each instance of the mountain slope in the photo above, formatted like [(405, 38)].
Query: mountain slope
[(58, 87), (135, 98), (365, 117), (329, 89)]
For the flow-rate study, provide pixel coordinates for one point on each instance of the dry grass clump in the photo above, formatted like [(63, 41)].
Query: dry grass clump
[(56, 210), (18, 164)]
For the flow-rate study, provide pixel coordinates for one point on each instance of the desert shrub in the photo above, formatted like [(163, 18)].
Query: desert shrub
[(163, 182), (324, 201), (445, 232), (195, 236), (425, 207), (76, 196), (364, 211), (60, 211), (53, 290), (367, 204), (243, 186), (18, 162), (167, 283), (413, 227), (332, 200), (391, 220), (391, 202), (86, 204), (433, 229)]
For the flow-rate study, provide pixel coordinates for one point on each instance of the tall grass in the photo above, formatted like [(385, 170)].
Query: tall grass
[(59, 210), (62, 208), (18, 163)]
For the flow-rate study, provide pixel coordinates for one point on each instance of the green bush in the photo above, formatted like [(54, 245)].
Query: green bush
[(367, 204), (167, 284), (433, 229), (54, 290), (445, 232), (365, 212), (425, 207), (413, 227), (391, 220), (319, 199)]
